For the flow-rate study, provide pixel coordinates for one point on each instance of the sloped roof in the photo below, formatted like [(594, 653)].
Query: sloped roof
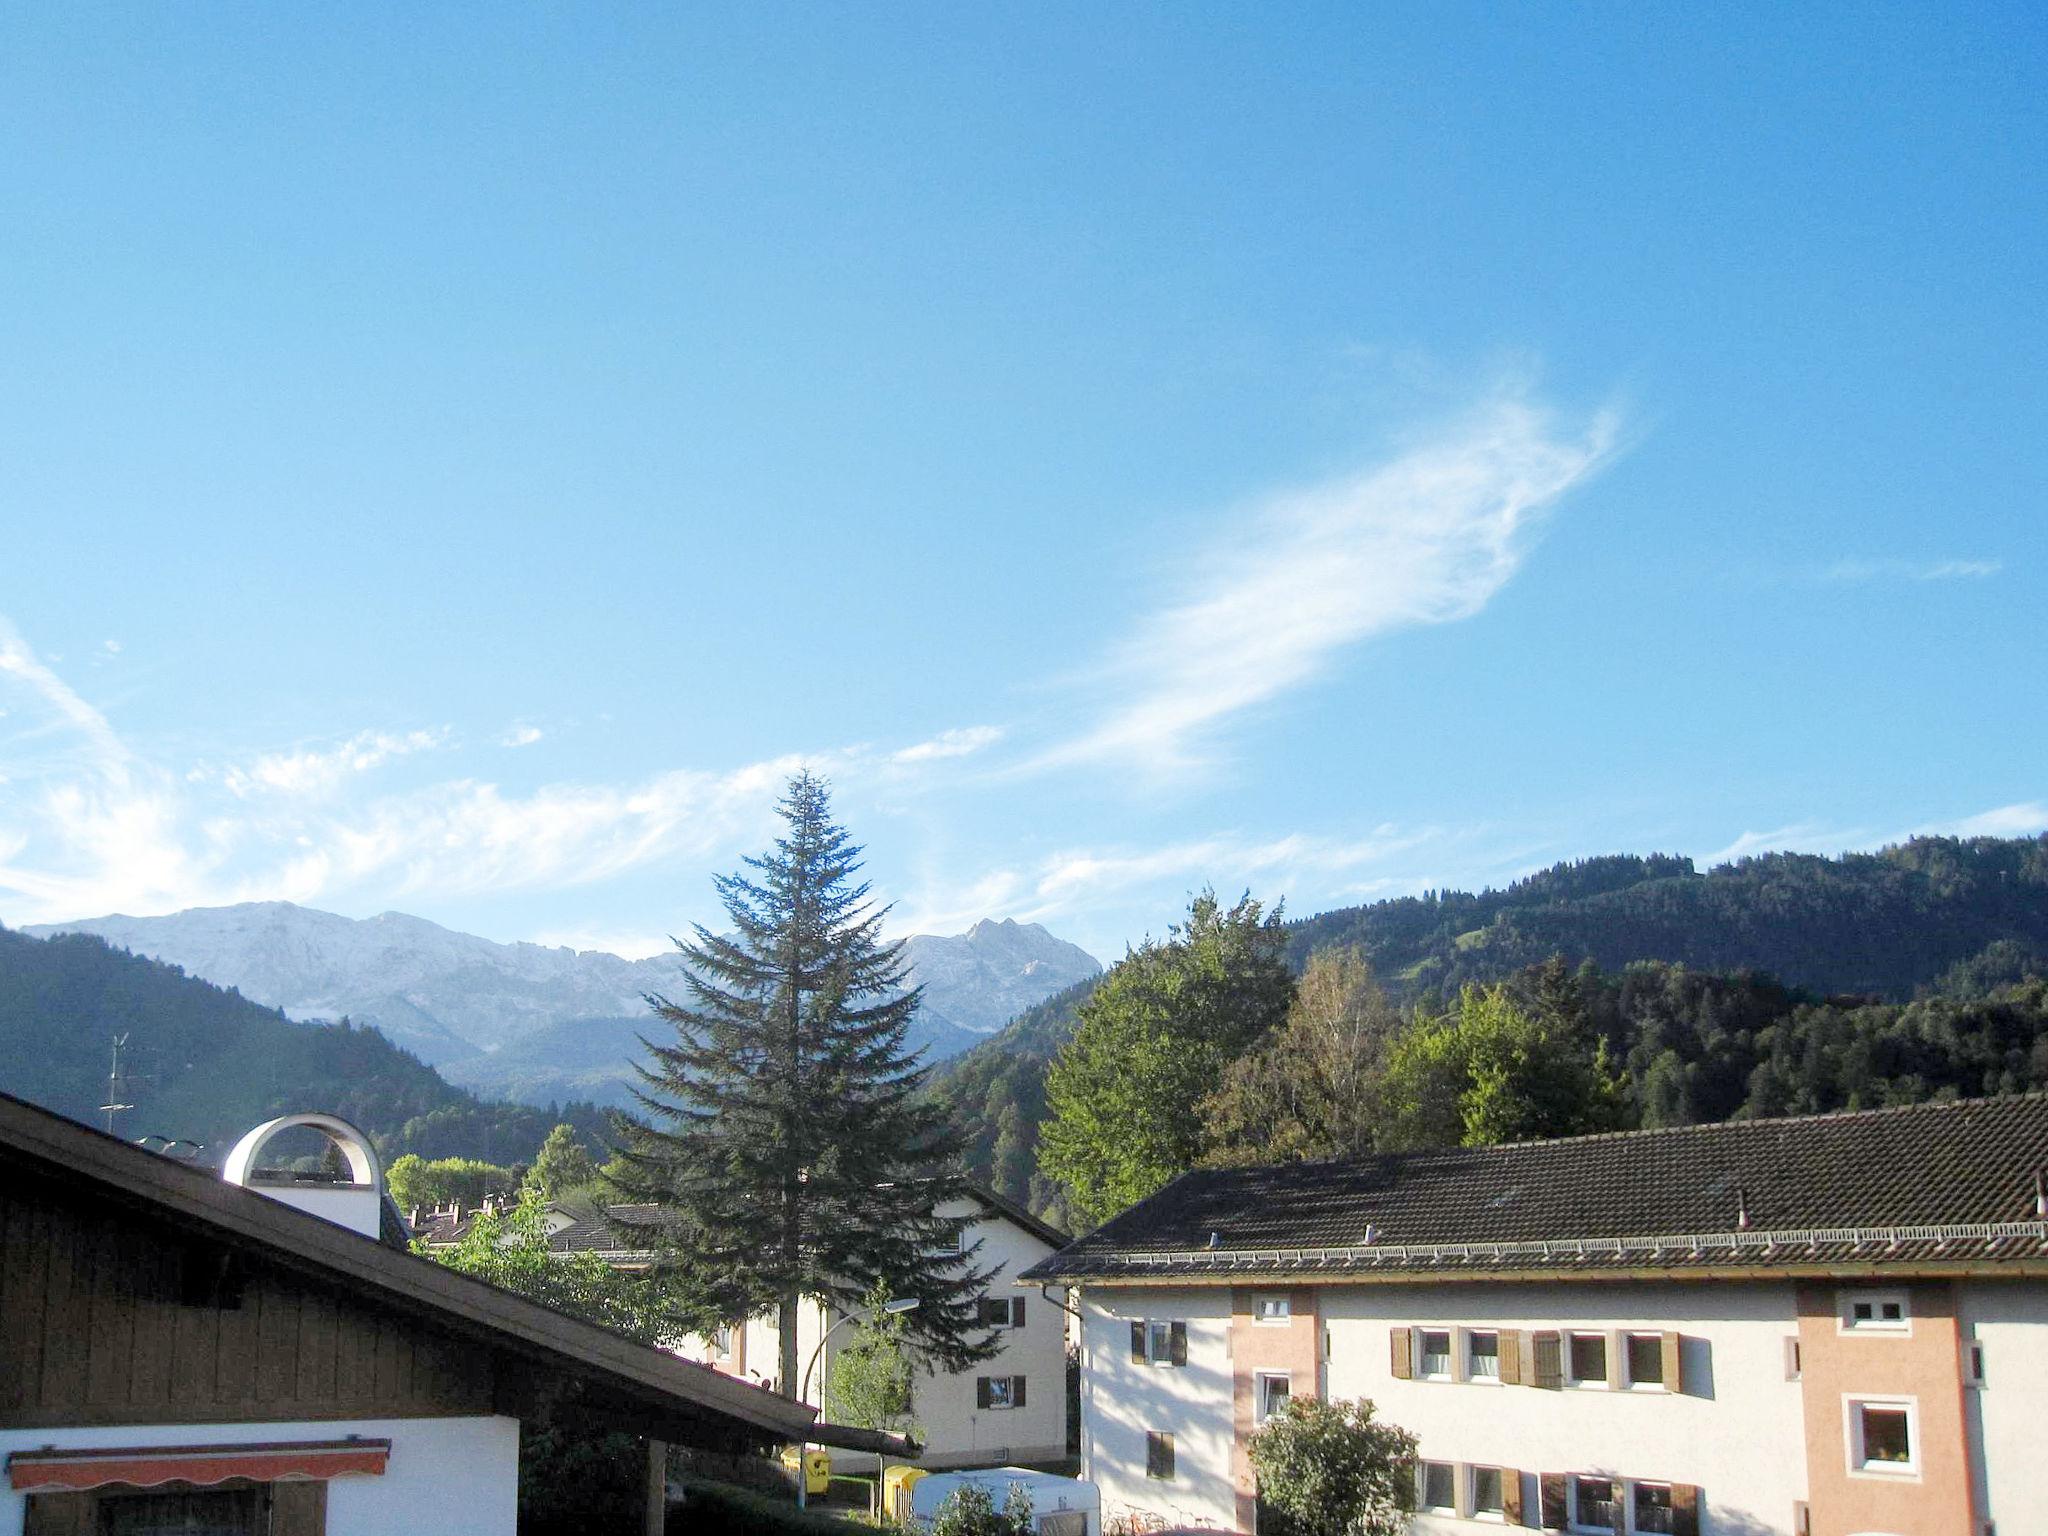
[(638, 1382), (1893, 1186)]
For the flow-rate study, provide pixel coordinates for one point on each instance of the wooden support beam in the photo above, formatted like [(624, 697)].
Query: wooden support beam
[(657, 1487)]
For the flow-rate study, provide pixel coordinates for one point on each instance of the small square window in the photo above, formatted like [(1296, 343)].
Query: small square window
[(1482, 1355), (1875, 1312), (1439, 1487), (1273, 1309), (1653, 1512), (1646, 1360), (1274, 1388), (1000, 1393), (1158, 1456), (1589, 1358), (1593, 1504), (1486, 1493), (1159, 1343), (1434, 1344), (1883, 1435)]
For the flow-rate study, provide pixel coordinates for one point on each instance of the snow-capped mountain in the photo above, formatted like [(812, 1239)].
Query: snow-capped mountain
[(525, 1016)]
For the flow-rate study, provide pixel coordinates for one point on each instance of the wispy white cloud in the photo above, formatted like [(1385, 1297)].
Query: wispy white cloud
[(2024, 819), (1799, 836), (1858, 571), (963, 742), (1428, 538), (521, 736), (317, 771), (111, 647)]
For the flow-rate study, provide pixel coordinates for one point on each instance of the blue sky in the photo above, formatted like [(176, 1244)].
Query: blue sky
[(458, 459)]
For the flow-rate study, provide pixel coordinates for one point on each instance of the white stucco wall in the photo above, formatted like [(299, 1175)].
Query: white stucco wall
[(1737, 1431), (444, 1474), (1122, 1400), (2010, 1321)]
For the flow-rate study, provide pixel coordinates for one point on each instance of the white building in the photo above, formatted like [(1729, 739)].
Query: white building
[(184, 1352), (1826, 1326), (1008, 1410)]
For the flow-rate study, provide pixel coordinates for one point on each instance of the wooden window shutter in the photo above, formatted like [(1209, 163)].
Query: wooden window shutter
[(981, 1392), (1674, 1364), (1016, 1391), (298, 1509), (1553, 1498), (1685, 1510), (61, 1514), (1178, 1332), (1016, 1311), (1402, 1343), (1510, 1357), (1137, 1343), (1546, 1349), (1511, 1495)]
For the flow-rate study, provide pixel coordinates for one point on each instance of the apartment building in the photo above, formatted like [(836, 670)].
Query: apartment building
[(1833, 1325)]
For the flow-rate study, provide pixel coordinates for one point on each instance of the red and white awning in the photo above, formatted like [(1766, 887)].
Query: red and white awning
[(151, 1466)]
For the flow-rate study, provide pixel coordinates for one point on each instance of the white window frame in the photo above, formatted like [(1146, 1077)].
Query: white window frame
[(1158, 1341), (1422, 1504), (1616, 1490), (1450, 1370), (1493, 1516), (1281, 1307), (1260, 1412), (1007, 1385), (1860, 1465), (1569, 1368), (1628, 1373), (1846, 1321), (1465, 1338)]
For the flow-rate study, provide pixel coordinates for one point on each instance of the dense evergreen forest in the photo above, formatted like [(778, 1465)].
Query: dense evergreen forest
[(1777, 985), (206, 1064)]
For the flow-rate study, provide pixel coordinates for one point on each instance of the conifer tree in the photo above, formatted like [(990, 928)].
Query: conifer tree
[(789, 1138)]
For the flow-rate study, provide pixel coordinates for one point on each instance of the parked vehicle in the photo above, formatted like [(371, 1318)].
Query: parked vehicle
[(1060, 1506)]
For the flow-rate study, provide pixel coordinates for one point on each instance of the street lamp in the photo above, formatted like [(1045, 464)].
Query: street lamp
[(894, 1307)]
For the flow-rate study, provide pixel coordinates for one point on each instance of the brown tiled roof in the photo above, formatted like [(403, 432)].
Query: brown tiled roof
[(1935, 1184)]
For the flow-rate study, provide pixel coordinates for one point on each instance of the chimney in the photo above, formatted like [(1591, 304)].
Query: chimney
[(357, 1205), (2040, 1196)]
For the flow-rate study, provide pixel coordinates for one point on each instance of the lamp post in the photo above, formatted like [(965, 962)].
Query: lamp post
[(894, 1307)]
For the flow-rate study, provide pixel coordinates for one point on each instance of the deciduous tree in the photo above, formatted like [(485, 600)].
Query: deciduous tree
[(1333, 1469)]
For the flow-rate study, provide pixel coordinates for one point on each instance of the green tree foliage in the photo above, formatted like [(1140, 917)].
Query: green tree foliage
[(1492, 1070), (789, 1128), (1124, 1095), (1310, 1088), (869, 1383), (417, 1184), (207, 1064), (562, 1164), (1333, 1469), (971, 1511)]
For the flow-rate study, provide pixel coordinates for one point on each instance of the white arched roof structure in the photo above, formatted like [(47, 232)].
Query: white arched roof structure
[(365, 1170)]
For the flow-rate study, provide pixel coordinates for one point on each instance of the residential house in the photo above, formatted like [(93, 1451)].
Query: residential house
[(1822, 1326), (1008, 1410), (182, 1351)]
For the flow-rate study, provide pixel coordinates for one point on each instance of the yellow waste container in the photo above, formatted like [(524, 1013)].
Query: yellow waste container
[(896, 1485), (816, 1464)]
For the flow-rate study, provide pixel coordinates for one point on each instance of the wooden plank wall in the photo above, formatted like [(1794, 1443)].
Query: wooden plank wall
[(107, 1317)]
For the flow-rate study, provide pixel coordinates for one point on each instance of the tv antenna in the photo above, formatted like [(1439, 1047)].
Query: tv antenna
[(117, 1085)]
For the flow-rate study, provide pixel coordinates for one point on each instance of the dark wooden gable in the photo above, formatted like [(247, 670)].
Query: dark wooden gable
[(112, 1315)]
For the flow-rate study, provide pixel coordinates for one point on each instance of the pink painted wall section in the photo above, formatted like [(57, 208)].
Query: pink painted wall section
[(1923, 1365), (1294, 1346)]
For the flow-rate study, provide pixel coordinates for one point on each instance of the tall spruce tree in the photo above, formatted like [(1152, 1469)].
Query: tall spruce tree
[(789, 1141)]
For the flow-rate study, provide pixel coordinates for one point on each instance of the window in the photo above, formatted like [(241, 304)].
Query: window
[(721, 1339), (1593, 1504), (1158, 1456), (1159, 1343), (1273, 1389), (1434, 1347), (1653, 1512), (999, 1392), (1875, 1312), (1002, 1312), (1883, 1437), (1272, 1309), (1792, 1371), (1589, 1359), (1482, 1355), (1487, 1501), (1974, 1355), (1646, 1360), (1437, 1487)]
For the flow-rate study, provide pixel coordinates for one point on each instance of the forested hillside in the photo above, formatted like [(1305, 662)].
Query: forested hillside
[(207, 1064), (1777, 985)]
